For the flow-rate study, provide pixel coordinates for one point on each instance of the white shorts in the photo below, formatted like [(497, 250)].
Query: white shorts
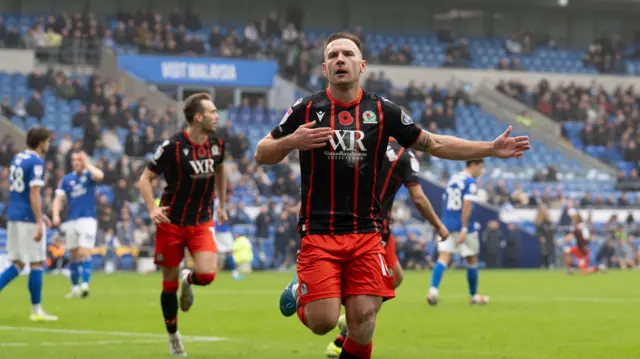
[(470, 247), (20, 243), (80, 233), (224, 242)]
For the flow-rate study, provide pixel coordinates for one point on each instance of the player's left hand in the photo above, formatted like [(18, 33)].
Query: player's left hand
[(507, 147), (47, 221), (222, 216)]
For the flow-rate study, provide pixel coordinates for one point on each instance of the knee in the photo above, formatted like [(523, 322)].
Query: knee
[(19, 265), (365, 316), (444, 258), (320, 323)]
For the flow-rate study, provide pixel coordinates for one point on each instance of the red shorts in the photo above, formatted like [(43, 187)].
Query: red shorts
[(391, 257), (338, 266), (171, 241), (576, 252), (583, 258)]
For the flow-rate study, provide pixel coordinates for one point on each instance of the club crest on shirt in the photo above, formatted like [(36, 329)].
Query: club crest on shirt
[(215, 150), (369, 117), (406, 119)]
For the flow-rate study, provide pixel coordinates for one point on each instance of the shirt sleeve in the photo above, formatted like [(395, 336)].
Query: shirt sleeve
[(161, 158), (292, 119), (410, 169), (222, 147), (471, 193), (400, 125), (37, 175)]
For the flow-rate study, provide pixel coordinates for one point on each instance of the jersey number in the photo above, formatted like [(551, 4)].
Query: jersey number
[(454, 199), (16, 178)]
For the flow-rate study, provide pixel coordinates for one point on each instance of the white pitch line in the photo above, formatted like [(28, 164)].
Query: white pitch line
[(535, 299), (101, 342), (110, 333)]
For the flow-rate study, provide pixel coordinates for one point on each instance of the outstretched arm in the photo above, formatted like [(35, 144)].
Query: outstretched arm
[(452, 148)]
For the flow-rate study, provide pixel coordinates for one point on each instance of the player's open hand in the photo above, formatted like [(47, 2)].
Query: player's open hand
[(507, 147), (308, 137), (222, 216), (443, 232), (158, 215)]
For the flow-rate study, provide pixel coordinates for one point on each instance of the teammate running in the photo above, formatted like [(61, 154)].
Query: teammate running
[(78, 189), (580, 251), (191, 162), (26, 239), (461, 192), (400, 167), (343, 134)]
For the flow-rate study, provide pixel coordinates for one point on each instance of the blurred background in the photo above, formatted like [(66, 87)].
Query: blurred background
[(109, 77)]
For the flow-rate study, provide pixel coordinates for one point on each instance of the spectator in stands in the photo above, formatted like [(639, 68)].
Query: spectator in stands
[(491, 242), (545, 234), (415, 249), (512, 247), (6, 109), (240, 216), (34, 107)]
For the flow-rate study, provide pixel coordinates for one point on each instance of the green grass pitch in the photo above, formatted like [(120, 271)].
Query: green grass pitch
[(532, 314)]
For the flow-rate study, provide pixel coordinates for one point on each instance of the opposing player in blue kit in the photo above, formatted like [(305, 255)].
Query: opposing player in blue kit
[(224, 243), (461, 192), (26, 239), (78, 189)]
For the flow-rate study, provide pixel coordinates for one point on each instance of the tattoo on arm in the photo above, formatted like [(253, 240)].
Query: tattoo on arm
[(425, 141)]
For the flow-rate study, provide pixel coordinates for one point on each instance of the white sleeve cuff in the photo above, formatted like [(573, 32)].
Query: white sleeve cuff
[(61, 192), (36, 183)]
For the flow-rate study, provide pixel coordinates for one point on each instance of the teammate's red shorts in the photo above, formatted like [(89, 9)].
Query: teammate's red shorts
[(583, 258), (391, 257), (338, 266), (171, 241), (576, 252)]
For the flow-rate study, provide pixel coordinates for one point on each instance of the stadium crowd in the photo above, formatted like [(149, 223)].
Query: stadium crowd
[(607, 120)]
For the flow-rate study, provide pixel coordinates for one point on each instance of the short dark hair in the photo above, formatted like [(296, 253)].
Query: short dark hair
[(473, 162), (37, 135), (193, 105), (342, 35)]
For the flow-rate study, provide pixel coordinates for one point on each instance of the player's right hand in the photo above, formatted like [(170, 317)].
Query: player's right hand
[(38, 235), (462, 238), (157, 215), (443, 232), (307, 137), (56, 220)]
